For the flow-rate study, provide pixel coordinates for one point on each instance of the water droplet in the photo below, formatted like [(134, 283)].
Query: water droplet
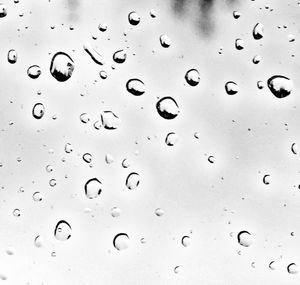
[(186, 241), (236, 14), (97, 125), (143, 240), (192, 77), (3, 10), (87, 157), (103, 74), (231, 88), (102, 27), (115, 212), (176, 269), (34, 71), (38, 111), (258, 31), (119, 56), (159, 212), (253, 264), (280, 86), (10, 250), (266, 179), (134, 18), (165, 41), (12, 56), (211, 159), (239, 44), (125, 163), (260, 84), (294, 148), (171, 139), (121, 241), (68, 148), (95, 55), (109, 158), (132, 180), (37, 197), (61, 66), (272, 265), (38, 241), (196, 135), (292, 268), (52, 182), (153, 13), (291, 38), (16, 212), (3, 276), (84, 118), (167, 108), (49, 168), (109, 120), (244, 238), (92, 188), (135, 87), (62, 231), (256, 59)]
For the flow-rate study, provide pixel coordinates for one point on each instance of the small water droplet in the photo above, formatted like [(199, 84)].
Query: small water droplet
[(267, 179), (92, 188), (256, 59), (236, 14), (12, 56), (10, 250), (109, 158), (115, 212), (125, 163), (103, 74), (135, 86), (280, 86), (38, 241), (231, 88), (258, 31), (52, 182), (165, 41), (134, 18), (3, 10), (272, 265), (120, 56), (121, 241), (132, 180), (159, 212), (38, 111), (102, 27), (34, 71), (239, 44), (37, 197), (260, 84), (294, 148), (110, 121), (62, 231), (85, 118), (49, 168), (167, 108), (68, 148), (153, 13), (186, 241), (192, 77), (171, 139), (87, 157), (292, 268), (61, 66), (211, 159), (176, 269), (244, 238), (16, 212)]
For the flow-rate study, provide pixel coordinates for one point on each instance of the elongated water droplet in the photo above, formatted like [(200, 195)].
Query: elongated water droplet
[(280, 86), (62, 231), (165, 41), (192, 77), (95, 55), (132, 180), (186, 241), (61, 66), (134, 18), (167, 108), (34, 71), (135, 86), (231, 88), (258, 31), (110, 121), (92, 188), (38, 111), (294, 148), (292, 268), (120, 56), (121, 241), (171, 139), (244, 238), (12, 56)]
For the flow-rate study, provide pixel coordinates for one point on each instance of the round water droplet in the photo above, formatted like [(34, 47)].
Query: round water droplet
[(167, 108), (171, 139), (12, 56), (68, 148), (258, 31), (292, 268), (176, 269), (102, 27), (143, 240), (121, 241), (272, 265), (103, 74), (109, 120), (49, 168), (153, 13), (280, 86), (294, 148), (133, 18), (231, 88), (267, 179), (87, 157), (61, 66), (3, 10), (92, 188), (211, 159), (236, 14), (38, 241), (192, 77), (115, 212), (244, 238), (135, 86), (62, 231), (16, 212), (159, 212), (125, 163), (186, 241), (260, 84), (196, 135), (85, 118), (120, 56), (34, 71), (10, 250), (256, 59), (165, 41), (37, 197), (109, 158), (291, 38), (38, 111), (239, 44), (52, 182), (132, 180), (3, 276)]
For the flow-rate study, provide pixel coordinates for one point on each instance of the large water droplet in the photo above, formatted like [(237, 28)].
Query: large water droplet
[(167, 108), (61, 66), (135, 87), (93, 188), (132, 180), (231, 88), (34, 71), (165, 41), (110, 121), (62, 231), (12, 56), (134, 18), (119, 56), (244, 238), (258, 31), (192, 77), (171, 139), (121, 241), (38, 111), (280, 86), (292, 268)]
